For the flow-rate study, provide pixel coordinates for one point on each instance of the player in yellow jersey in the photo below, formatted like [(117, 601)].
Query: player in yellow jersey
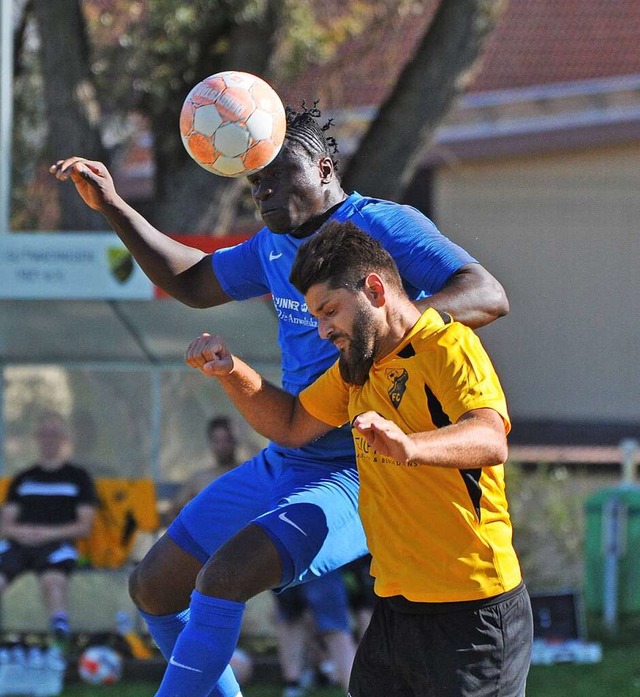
[(429, 422)]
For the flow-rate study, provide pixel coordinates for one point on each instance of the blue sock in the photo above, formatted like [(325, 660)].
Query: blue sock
[(204, 648), (165, 630), (59, 623)]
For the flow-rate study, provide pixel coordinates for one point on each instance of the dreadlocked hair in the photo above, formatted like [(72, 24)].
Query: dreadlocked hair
[(305, 131)]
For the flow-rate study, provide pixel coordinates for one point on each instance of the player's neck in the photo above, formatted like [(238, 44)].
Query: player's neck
[(315, 223), (401, 319)]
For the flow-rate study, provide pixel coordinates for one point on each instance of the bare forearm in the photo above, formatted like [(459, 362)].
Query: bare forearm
[(477, 439), (267, 408), (472, 296), (71, 531), (465, 445), (169, 264), (271, 411), (180, 270), (30, 534), (152, 249)]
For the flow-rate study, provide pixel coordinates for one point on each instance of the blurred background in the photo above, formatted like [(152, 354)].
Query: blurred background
[(514, 125)]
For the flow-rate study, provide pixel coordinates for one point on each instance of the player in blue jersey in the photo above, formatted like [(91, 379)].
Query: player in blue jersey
[(287, 515)]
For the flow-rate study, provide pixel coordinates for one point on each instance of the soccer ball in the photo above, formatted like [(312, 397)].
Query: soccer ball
[(100, 665), (232, 123), (242, 665)]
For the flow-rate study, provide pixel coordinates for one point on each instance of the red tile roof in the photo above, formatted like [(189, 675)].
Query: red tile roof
[(365, 69), (537, 42), (544, 41)]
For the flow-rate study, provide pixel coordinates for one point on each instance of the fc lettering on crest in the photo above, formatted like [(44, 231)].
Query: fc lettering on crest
[(399, 378)]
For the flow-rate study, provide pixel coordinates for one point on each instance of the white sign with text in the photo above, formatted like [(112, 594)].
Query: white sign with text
[(79, 266)]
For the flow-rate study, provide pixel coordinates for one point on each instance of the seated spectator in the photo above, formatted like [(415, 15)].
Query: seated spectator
[(48, 507), (223, 447), (308, 614)]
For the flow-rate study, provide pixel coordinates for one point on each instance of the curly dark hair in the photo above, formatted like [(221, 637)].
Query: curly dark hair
[(304, 130)]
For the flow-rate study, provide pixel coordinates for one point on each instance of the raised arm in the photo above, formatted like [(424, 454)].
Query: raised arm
[(181, 271), (272, 412), (471, 296), (477, 439)]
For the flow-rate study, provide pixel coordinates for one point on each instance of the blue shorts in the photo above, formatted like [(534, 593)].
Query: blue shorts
[(326, 598), (308, 509)]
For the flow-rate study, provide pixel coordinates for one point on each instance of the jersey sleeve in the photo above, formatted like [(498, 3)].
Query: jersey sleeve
[(425, 257), (467, 377), (327, 399), (239, 270)]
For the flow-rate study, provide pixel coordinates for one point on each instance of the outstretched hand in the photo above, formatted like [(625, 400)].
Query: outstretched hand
[(210, 355), (384, 436), (91, 178)]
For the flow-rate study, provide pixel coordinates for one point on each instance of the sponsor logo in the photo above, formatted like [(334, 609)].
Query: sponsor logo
[(283, 517), (293, 311), (273, 255), (173, 662)]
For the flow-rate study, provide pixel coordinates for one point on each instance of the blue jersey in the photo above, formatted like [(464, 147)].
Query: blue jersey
[(261, 265)]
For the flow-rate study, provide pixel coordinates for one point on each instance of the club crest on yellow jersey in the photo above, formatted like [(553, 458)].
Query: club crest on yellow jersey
[(399, 378)]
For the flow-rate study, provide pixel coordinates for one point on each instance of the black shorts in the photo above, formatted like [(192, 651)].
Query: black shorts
[(17, 559), (291, 603), (465, 650), (325, 597)]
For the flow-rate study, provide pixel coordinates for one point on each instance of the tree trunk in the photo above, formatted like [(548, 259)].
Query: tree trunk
[(191, 200), (391, 150), (72, 108)]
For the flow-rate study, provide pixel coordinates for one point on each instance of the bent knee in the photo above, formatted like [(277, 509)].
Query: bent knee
[(145, 593), (244, 566), (136, 588), (163, 581)]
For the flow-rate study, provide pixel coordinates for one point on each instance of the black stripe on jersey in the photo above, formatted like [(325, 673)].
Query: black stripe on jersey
[(470, 477), (407, 352), (438, 417)]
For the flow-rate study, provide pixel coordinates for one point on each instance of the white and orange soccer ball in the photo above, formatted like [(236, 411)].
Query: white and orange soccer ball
[(242, 665), (100, 665), (232, 123)]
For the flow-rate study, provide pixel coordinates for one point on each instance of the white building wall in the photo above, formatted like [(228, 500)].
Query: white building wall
[(562, 233)]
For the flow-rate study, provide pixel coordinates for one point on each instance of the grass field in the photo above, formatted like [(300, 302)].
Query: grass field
[(618, 675)]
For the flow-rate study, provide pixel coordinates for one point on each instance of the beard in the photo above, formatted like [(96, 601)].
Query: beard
[(355, 363)]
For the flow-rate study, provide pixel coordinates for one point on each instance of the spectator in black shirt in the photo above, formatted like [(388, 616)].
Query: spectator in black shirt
[(49, 506)]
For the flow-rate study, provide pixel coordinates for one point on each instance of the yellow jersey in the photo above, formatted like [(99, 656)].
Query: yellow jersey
[(436, 534)]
